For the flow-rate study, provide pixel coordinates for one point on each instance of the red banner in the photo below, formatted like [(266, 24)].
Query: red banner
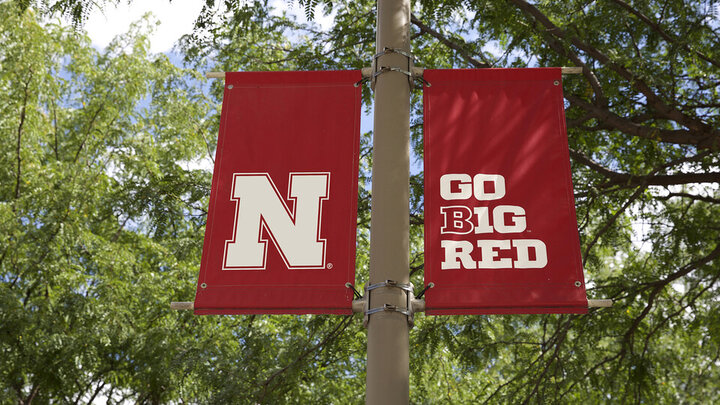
[(500, 227), (280, 235)]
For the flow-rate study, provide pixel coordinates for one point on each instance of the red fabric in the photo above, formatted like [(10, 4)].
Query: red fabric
[(274, 124), (507, 122)]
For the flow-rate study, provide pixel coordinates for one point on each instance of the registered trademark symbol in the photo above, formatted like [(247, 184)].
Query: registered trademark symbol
[(329, 265)]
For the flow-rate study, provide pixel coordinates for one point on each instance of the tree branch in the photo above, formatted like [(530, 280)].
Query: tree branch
[(335, 332), (659, 285), (585, 160), (33, 392), (628, 180), (450, 44), (653, 99), (682, 137), (690, 196), (687, 269), (656, 27), (588, 372), (95, 394), (683, 307), (610, 223), (23, 113), (89, 129), (558, 47)]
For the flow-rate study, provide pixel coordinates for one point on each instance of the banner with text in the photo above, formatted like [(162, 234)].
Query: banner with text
[(280, 234), (500, 226)]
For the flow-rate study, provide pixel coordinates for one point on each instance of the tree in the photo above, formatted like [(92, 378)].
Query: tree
[(96, 211), (644, 135), (102, 210)]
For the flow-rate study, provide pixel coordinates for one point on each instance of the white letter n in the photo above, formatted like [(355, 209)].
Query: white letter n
[(296, 234)]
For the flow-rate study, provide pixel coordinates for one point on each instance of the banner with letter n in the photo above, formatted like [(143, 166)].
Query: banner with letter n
[(280, 235), (500, 226)]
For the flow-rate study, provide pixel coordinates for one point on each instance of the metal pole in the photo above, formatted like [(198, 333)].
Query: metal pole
[(388, 370)]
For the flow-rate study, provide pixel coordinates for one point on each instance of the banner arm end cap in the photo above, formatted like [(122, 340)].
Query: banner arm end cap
[(600, 303), (179, 306)]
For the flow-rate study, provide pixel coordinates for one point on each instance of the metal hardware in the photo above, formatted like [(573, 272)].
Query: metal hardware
[(408, 311), (390, 308), (422, 292), (600, 303), (387, 50), (179, 306), (390, 283), (384, 69), (367, 72), (369, 75), (411, 75), (355, 292), (571, 70), (422, 79), (361, 81)]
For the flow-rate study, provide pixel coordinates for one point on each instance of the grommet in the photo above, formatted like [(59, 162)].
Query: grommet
[(556, 82), (578, 284), (230, 86), (203, 285)]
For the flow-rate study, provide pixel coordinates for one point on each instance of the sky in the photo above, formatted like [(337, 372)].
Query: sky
[(176, 19)]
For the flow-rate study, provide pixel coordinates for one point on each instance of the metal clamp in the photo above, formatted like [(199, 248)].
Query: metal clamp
[(384, 69), (408, 311), (390, 283), (390, 308), (398, 51)]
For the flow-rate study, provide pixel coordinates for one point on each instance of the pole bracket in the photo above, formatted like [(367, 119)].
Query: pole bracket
[(385, 69), (408, 310), (398, 51), (388, 307), (378, 70)]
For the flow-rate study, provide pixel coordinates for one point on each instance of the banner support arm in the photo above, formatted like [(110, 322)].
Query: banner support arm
[(600, 303), (181, 306), (416, 72)]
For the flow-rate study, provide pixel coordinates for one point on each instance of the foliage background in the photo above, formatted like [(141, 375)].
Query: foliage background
[(103, 201)]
